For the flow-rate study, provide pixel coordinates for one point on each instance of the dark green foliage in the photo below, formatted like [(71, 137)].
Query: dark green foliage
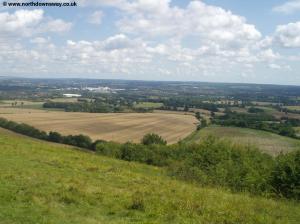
[(219, 163), (291, 121), (78, 140), (136, 152), (95, 143), (110, 149), (142, 110), (97, 107), (151, 139), (202, 124), (286, 175), (55, 137), (212, 162), (23, 129), (255, 110), (188, 102), (261, 121), (151, 154), (198, 116)]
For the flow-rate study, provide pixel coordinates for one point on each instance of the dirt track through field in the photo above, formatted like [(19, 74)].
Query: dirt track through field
[(120, 127)]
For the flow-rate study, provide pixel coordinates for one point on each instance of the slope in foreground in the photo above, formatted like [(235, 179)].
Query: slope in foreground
[(49, 183)]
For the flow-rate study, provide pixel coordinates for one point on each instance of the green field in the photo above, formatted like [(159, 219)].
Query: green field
[(49, 183), (293, 107), (22, 104), (148, 105), (266, 141), (26, 104), (245, 110)]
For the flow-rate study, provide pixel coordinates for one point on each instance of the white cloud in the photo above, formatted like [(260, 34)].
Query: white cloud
[(268, 55), (107, 3), (274, 66), (119, 41), (27, 23), (265, 42), (56, 26), (21, 22), (208, 23), (96, 18), (40, 40), (288, 35), (154, 39), (288, 7)]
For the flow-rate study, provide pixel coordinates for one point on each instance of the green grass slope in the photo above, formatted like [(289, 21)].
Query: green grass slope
[(268, 142), (48, 183)]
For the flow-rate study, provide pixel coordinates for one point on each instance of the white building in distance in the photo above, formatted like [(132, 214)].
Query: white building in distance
[(71, 95)]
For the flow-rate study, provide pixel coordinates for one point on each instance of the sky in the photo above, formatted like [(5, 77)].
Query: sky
[(169, 40)]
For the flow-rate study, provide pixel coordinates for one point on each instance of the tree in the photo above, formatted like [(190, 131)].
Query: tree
[(198, 116), (186, 108), (81, 141), (203, 123), (286, 175), (150, 139), (55, 137)]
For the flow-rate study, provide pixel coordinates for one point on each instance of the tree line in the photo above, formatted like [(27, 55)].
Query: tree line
[(93, 107), (188, 102), (84, 107)]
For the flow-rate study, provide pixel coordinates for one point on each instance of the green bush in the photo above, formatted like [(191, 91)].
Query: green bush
[(110, 149), (136, 152), (55, 137), (81, 141), (150, 139), (220, 163), (286, 175)]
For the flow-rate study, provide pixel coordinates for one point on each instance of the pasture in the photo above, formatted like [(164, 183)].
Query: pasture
[(265, 141), (119, 127), (148, 105), (297, 108), (21, 104)]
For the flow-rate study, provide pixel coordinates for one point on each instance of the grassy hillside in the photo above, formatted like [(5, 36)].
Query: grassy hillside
[(266, 141), (48, 183)]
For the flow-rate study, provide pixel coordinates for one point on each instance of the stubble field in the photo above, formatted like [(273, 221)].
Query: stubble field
[(120, 127)]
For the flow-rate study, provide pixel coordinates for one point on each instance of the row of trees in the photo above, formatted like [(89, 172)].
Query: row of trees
[(25, 129), (174, 103), (93, 107), (213, 162), (84, 107)]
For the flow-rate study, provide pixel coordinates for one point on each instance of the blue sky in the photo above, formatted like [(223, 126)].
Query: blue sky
[(210, 40)]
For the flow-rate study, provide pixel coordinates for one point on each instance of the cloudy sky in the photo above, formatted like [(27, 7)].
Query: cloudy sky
[(210, 40)]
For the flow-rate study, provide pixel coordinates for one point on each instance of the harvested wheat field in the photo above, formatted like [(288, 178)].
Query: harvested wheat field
[(119, 127)]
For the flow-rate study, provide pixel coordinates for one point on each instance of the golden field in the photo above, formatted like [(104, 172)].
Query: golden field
[(119, 127)]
